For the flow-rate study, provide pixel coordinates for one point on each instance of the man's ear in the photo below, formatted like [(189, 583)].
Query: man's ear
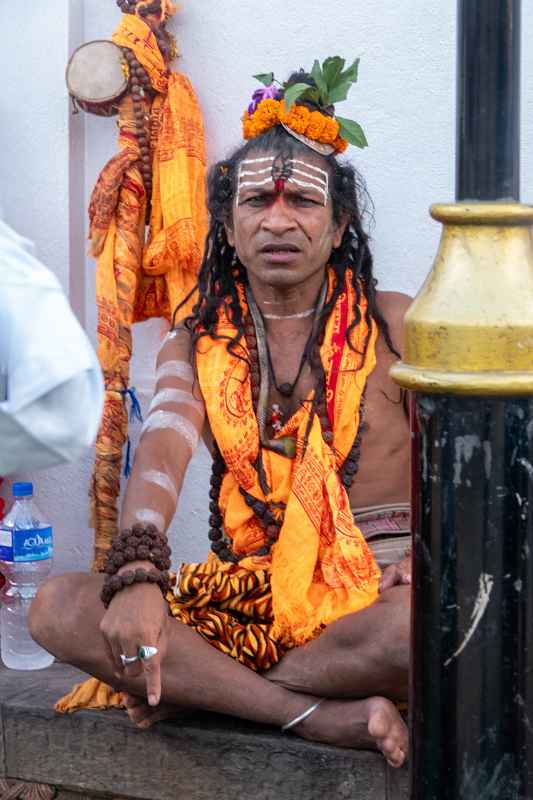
[(230, 236), (340, 227)]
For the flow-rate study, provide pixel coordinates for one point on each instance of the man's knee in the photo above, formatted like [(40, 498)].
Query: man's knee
[(50, 612)]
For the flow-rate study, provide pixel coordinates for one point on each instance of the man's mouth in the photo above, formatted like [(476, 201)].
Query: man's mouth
[(279, 250)]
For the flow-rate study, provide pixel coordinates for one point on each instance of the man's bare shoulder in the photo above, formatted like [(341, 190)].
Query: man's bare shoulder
[(393, 307), (177, 346)]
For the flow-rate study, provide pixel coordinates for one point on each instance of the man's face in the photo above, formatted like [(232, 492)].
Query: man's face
[(282, 227)]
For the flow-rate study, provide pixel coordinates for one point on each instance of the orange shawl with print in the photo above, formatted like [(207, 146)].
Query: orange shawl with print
[(138, 279), (321, 567)]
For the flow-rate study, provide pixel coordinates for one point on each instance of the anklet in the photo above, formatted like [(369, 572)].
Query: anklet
[(301, 717)]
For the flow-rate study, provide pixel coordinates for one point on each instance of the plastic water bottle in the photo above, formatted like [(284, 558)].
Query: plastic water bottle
[(26, 549)]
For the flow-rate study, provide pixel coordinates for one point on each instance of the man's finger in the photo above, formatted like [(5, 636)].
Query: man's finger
[(152, 672), (113, 658), (128, 647)]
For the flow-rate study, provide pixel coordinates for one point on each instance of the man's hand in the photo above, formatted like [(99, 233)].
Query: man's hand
[(397, 574), (137, 616)]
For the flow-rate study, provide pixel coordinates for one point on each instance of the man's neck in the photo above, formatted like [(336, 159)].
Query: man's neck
[(292, 303)]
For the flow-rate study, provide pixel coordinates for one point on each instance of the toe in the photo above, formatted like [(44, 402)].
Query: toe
[(395, 758), (379, 724)]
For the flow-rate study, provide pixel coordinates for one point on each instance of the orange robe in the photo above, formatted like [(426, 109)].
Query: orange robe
[(321, 567)]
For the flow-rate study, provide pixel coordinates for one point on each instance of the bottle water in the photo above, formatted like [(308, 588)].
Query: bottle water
[(26, 547)]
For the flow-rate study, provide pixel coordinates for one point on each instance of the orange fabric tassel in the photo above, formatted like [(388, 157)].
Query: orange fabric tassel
[(90, 694)]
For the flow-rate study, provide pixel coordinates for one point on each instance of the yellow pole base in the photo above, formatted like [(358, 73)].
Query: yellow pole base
[(470, 329)]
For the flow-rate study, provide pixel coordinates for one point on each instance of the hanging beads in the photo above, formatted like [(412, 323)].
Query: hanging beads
[(270, 518)]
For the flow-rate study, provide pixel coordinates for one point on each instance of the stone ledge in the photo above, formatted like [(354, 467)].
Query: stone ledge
[(198, 756)]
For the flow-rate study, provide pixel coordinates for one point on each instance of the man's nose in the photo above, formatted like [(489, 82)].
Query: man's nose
[(278, 217)]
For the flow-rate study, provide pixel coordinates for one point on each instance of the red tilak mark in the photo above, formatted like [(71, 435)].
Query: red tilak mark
[(279, 185)]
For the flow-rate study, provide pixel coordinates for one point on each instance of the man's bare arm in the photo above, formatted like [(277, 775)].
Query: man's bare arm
[(169, 438)]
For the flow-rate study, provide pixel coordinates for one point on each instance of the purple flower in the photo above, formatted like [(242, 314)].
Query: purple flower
[(267, 93)]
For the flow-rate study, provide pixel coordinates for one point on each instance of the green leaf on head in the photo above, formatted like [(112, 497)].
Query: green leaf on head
[(332, 68), (352, 73), (318, 77), (294, 92), (340, 92), (266, 78), (352, 132)]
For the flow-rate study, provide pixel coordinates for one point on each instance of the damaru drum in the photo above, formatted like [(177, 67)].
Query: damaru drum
[(97, 77)]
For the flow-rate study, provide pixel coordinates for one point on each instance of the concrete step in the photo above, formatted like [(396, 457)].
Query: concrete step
[(198, 756)]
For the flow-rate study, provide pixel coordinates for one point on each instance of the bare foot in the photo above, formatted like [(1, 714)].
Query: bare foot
[(374, 724), (143, 715)]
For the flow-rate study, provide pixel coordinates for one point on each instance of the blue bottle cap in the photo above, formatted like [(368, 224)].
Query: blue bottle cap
[(22, 489)]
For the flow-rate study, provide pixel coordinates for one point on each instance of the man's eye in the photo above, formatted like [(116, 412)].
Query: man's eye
[(305, 201), (255, 200)]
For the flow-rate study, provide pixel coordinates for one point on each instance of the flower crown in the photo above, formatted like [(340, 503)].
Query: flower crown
[(306, 110)]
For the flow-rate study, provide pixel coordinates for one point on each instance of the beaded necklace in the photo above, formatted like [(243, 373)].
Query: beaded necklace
[(269, 515)]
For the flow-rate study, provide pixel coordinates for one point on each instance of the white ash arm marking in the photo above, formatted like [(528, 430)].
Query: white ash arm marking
[(177, 423), (147, 516), (169, 437), (181, 370), (176, 397), (162, 480)]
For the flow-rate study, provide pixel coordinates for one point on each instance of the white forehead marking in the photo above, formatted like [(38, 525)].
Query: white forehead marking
[(312, 166), (317, 178), (265, 171), (162, 480), (149, 516), (175, 369), (176, 396), (257, 160), (167, 420), (242, 172), (322, 178)]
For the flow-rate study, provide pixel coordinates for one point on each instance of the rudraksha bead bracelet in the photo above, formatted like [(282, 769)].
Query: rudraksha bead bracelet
[(115, 583), (141, 543)]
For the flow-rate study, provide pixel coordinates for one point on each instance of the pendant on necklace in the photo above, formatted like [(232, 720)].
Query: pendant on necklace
[(286, 389), (276, 418)]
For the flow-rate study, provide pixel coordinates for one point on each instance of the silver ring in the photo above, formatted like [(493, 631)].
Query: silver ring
[(128, 659), (146, 653)]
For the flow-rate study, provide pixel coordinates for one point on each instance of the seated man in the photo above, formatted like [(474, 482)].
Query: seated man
[(288, 348)]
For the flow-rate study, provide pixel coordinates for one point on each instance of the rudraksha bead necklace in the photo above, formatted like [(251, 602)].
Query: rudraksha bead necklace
[(270, 518)]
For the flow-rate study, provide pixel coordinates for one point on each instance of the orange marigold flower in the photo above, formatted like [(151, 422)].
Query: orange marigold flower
[(316, 126), (340, 144), (297, 119), (331, 131), (247, 126), (266, 115)]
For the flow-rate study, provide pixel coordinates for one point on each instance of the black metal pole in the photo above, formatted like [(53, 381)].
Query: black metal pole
[(488, 100), (472, 679), (472, 675)]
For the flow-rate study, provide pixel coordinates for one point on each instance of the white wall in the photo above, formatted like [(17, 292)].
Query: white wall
[(49, 160)]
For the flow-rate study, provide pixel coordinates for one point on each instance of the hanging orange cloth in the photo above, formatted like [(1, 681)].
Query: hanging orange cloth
[(138, 279), (178, 223), (321, 567)]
